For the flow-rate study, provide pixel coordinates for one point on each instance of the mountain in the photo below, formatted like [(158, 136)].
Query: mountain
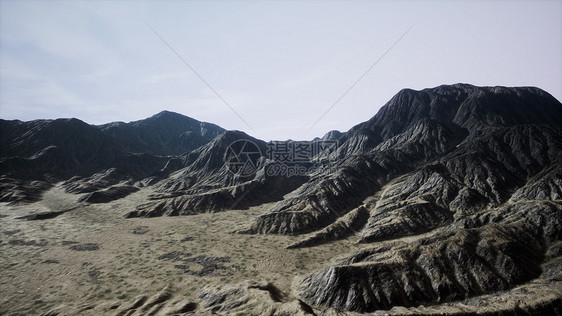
[(166, 133), (89, 158), (475, 145), (62, 146), (478, 167), (331, 135), (201, 181), (39, 153), (446, 201)]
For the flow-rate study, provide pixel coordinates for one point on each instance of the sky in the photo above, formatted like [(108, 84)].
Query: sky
[(274, 69)]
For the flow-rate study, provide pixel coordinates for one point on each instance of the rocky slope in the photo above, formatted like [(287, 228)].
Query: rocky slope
[(453, 193), (490, 182), (88, 158), (62, 146), (436, 158), (447, 266), (477, 145), (478, 166), (39, 153), (166, 133), (201, 181)]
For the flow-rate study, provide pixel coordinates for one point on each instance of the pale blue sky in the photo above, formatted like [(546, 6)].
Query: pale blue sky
[(279, 64)]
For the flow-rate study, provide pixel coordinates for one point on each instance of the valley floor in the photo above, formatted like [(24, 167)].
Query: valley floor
[(93, 254)]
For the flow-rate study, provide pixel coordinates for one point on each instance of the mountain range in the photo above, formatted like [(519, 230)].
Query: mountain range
[(48, 151), (472, 174)]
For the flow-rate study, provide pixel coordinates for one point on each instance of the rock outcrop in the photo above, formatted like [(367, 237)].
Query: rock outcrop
[(345, 226), (491, 252), (251, 298), (107, 195), (163, 303)]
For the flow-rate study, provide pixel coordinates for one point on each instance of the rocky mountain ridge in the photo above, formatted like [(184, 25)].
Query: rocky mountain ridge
[(39, 153), (454, 192), (166, 133)]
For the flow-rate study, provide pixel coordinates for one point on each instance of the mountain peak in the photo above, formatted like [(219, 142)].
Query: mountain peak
[(166, 113), (165, 133), (468, 106)]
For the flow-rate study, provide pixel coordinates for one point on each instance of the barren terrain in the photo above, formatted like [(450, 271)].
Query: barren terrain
[(41, 271), (447, 201)]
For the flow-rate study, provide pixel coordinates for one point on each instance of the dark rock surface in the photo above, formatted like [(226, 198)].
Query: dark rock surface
[(201, 181), (469, 146), (110, 194), (21, 242), (94, 182), (45, 215), (166, 133), (447, 266), (140, 230), (345, 226), (204, 265), (85, 247), (39, 153)]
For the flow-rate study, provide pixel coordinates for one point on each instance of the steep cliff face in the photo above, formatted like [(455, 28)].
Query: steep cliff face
[(484, 171)]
